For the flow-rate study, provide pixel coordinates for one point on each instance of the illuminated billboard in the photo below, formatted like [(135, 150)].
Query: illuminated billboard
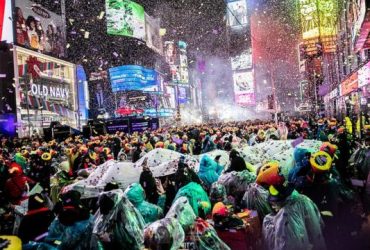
[(45, 91), (319, 21), (6, 26), (39, 28), (237, 13), (153, 38), (133, 77), (244, 88), (125, 18), (183, 68)]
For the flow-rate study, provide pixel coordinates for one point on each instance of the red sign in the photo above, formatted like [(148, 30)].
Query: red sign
[(2, 14), (349, 85)]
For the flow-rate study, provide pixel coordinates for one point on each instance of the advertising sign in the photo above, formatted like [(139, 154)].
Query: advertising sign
[(83, 93), (319, 23), (244, 88), (6, 25), (153, 38), (133, 77), (182, 96), (170, 52), (237, 13), (163, 112), (45, 89), (184, 70), (125, 18), (359, 13), (243, 61), (39, 28), (349, 85), (319, 18), (364, 75)]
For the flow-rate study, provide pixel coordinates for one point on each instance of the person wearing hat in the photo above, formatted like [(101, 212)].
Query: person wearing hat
[(36, 221), (296, 222), (72, 228), (16, 186)]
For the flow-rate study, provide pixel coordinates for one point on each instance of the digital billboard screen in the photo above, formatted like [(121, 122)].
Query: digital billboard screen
[(153, 37), (244, 88), (133, 77), (6, 26), (125, 18), (39, 29), (237, 13)]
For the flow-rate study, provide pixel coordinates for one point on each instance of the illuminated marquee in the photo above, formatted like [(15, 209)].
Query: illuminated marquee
[(319, 23)]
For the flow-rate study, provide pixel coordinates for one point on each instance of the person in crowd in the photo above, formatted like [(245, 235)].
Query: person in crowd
[(37, 219), (209, 171), (296, 221), (237, 162), (117, 224), (136, 195)]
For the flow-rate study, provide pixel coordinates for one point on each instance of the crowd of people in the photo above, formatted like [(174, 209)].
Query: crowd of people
[(319, 203)]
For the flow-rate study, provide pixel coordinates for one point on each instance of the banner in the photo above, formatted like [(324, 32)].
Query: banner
[(153, 38), (133, 77), (364, 75), (237, 13), (244, 88), (6, 25), (125, 18), (39, 28), (45, 89), (349, 85)]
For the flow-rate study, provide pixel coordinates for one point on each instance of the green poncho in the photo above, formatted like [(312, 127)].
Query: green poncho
[(150, 212)]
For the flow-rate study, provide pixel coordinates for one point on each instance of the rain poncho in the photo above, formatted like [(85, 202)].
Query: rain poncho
[(297, 226), (218, 193), (255, 198), (166, 233), (136, 194), (122, 226), (209, 170), (76, 236), (236, 183), (197, 197), (205, 237), (183, 212), (198, 232)]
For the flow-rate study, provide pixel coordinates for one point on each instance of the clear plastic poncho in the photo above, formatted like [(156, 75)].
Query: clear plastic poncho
[(166, 233), (136, 194), (198, 198), (205, 236), (255, 198), (123, 224), (183, 212), (236, 183), (296, 226)]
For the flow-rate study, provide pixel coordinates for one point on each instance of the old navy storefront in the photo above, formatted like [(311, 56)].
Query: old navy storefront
[(45, 91)]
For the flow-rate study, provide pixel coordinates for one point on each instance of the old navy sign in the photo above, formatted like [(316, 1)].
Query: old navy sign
[(50, 91)]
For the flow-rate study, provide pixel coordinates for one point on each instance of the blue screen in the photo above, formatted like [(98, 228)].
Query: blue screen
[(133, 77)]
